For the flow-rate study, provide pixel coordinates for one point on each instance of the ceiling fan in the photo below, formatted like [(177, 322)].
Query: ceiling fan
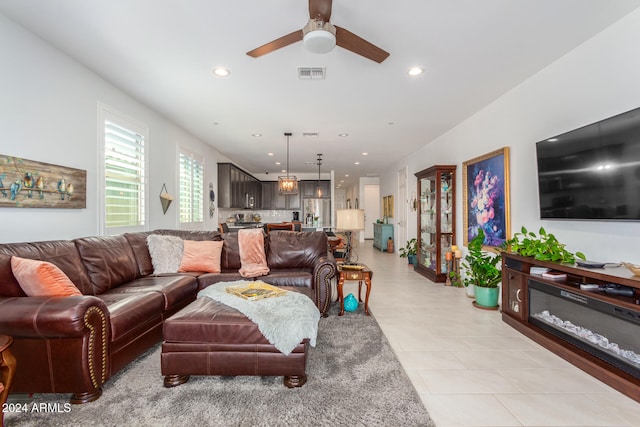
[(320, 36)]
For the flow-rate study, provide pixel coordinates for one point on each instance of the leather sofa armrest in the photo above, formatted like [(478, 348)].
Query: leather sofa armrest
[(53, 317), (324, 271)]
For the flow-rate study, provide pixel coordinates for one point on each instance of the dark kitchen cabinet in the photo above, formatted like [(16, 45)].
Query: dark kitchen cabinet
[(309, 189), (270, 195), (237, 188), (272, 199), (293, 201)]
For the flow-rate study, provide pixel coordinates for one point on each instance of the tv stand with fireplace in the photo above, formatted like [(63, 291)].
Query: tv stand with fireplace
[(595, 330)]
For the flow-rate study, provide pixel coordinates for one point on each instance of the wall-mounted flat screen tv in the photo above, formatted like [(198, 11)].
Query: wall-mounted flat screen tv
[(592, 172)]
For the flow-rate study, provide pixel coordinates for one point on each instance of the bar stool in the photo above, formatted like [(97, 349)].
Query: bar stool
[(288, 226)]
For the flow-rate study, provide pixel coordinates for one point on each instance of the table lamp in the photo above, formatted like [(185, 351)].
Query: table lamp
[(349, 220)]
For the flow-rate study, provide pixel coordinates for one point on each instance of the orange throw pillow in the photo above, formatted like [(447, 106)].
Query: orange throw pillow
[(201, 256), (41, 278)]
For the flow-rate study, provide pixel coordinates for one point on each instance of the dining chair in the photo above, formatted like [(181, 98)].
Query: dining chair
[(287, 226)]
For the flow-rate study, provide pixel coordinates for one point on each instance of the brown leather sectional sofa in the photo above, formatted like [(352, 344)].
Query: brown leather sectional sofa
[(75, 344)]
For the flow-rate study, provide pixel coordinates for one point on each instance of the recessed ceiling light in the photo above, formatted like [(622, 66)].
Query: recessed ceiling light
[(256, 135), (221, 72), (415, 71), (343, 135), (269, 154), (277, 163), (356, 163), (365, 154)]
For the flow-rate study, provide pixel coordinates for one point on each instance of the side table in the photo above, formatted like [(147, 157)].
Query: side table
[(361, 274), (7, 371)]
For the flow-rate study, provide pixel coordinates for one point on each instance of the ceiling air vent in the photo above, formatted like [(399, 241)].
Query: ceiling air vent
[(311, 73)]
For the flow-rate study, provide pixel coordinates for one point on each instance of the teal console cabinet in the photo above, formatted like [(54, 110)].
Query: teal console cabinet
[(381, 234)]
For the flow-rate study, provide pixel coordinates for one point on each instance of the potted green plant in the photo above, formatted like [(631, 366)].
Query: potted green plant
[(542, 246), (455, 279), (482, 272), (410, 251)]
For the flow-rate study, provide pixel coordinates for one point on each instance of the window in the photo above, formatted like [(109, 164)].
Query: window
[(191, 187), (124, 179)]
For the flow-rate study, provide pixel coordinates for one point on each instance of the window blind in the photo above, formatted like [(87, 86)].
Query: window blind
[(191, 189), (124, 176)]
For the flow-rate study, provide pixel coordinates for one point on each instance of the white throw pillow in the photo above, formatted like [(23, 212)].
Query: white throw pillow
[(166, 253)]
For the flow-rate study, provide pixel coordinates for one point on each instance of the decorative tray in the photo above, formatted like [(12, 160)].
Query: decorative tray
[(352, 267), (255, 290)]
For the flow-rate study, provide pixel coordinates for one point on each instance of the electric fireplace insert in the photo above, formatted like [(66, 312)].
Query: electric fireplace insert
[(604, 330)]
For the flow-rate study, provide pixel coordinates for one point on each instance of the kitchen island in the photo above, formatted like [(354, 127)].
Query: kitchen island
[(235, 226)]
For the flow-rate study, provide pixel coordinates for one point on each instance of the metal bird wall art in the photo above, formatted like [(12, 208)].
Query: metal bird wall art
[(28, 182), (40, 186), (31, 184), (2, 189), (15, 189)]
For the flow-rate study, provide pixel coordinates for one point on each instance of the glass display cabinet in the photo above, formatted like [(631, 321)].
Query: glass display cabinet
[(436, 220)]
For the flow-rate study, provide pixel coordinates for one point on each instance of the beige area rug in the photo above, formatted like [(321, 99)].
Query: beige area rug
[(354, 379)]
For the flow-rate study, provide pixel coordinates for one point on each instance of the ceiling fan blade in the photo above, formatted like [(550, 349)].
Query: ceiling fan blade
[(356, 44), (276, 44), (320, 9)]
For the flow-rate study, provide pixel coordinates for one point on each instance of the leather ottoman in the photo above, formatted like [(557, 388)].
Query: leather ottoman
[(209, 338)]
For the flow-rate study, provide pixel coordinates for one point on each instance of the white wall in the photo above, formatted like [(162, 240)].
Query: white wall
[(48, 113), (597, 80)]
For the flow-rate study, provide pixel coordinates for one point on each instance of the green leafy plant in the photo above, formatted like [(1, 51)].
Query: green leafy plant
[(410, 248), (455, 279), (481, 268), (542, 246)]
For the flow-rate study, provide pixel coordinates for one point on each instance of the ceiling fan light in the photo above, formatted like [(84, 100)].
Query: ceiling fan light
[(319, 41), (319, 37)]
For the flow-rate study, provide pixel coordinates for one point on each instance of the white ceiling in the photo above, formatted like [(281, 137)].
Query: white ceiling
[(163, 51)]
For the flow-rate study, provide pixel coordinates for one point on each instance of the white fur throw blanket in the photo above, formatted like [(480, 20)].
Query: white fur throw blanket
[(284, 321)]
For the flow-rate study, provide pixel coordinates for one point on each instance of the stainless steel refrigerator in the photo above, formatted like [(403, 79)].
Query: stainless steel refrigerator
[(316, 208)]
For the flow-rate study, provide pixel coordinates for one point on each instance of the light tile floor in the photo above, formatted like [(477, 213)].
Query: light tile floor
[(472, 369)]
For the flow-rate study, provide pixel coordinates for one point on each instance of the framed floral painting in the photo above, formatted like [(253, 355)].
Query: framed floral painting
[(486, 197)]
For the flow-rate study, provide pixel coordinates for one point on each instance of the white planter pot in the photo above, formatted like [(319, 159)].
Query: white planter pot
[(470, 291)]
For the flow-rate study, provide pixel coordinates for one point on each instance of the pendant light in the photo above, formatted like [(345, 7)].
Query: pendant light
[(287, 184), (319, 188)]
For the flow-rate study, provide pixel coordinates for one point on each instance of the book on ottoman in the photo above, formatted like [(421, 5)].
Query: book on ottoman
[(255, 290)]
